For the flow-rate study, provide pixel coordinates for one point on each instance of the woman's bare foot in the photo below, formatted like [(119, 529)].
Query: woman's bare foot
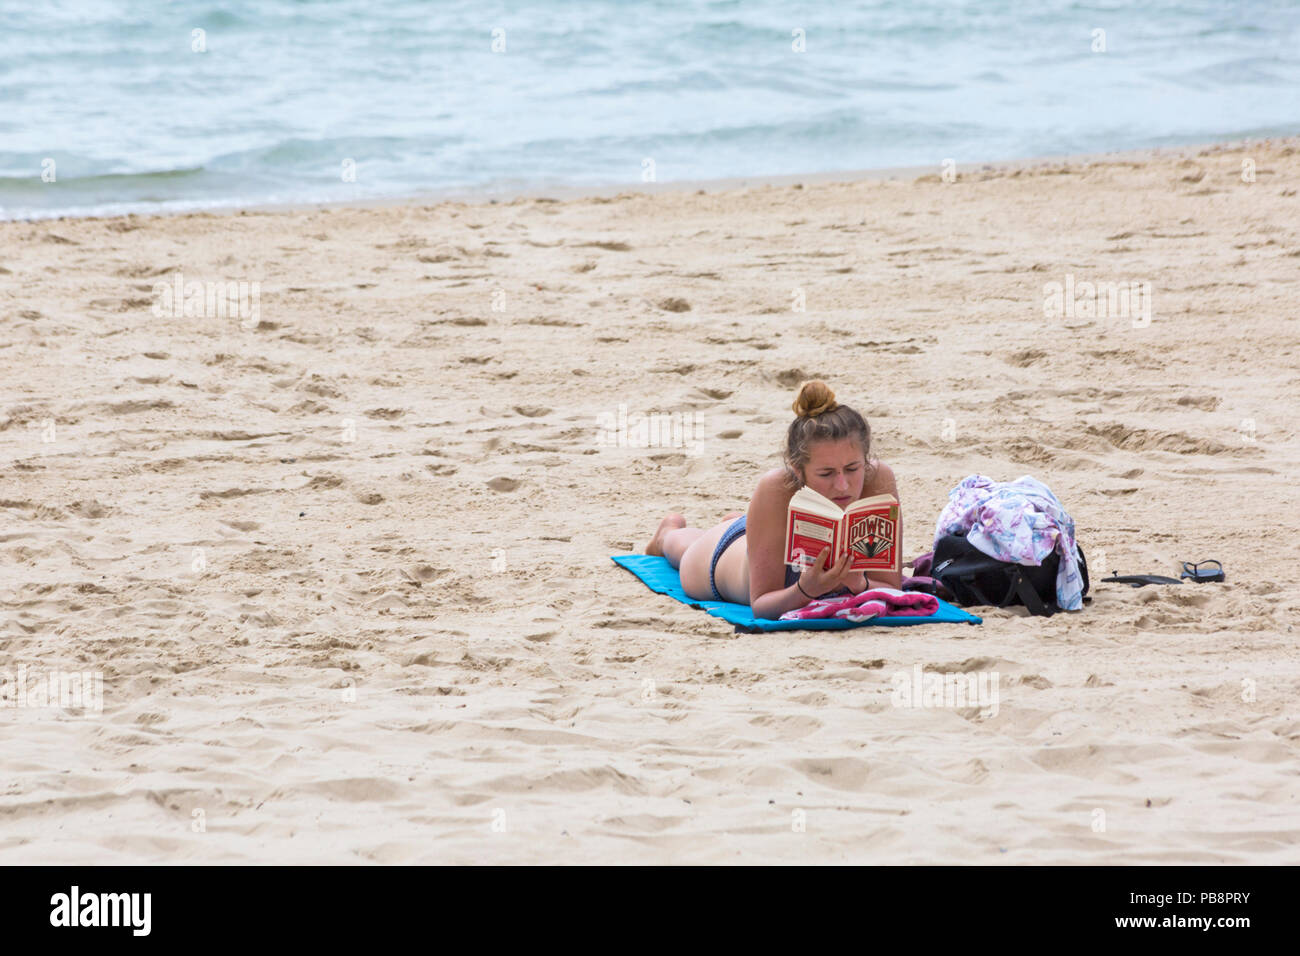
[(670, 523), (732, 515)]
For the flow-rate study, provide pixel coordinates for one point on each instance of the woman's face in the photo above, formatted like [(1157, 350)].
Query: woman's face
[(836, 469)]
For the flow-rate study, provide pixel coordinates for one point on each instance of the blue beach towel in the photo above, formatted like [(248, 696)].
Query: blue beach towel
[(661, 577)]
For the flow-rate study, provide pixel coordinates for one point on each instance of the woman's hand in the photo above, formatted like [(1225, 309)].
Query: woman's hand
[(814, 580)]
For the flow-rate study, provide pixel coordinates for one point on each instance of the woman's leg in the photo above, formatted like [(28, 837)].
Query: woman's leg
[(672, 538), (690, 550)]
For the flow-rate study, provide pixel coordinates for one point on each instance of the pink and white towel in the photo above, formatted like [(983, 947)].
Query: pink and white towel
[(874, 602)]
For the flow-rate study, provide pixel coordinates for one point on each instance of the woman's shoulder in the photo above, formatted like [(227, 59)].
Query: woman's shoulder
[(772, 495), (775, 483), (881, 478)]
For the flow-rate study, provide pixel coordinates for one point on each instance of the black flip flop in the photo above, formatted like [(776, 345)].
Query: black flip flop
[(1140, 580), (1194, 571)]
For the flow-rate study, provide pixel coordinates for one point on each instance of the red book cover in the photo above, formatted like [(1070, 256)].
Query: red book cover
[(872, 536)]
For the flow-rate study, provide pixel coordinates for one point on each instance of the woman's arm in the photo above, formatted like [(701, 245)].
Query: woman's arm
[(765, 542)]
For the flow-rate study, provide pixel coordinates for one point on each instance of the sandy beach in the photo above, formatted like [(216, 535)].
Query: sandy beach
[(342, 556)]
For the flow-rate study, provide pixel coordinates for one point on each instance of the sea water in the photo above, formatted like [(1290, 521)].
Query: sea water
[(109, 107)]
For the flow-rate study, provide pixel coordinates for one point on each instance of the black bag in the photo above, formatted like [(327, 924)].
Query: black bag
[(975, 578)]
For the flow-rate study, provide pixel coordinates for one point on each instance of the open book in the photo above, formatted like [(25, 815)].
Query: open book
[(868, 528)]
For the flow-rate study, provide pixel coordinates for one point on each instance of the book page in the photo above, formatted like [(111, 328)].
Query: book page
[(873, 502), (805, 499)]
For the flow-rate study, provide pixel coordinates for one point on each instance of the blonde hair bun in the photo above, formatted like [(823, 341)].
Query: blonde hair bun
[(814, 398)]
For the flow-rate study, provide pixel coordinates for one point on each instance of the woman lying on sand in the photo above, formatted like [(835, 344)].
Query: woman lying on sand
[(828, 448)]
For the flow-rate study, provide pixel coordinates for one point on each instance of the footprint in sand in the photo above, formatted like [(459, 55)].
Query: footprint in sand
[(243, 525), (139, 405), (608, 246), (320, 386), (421, 574), (791, 377), (1025, 358), (89, 508), (309, 407)]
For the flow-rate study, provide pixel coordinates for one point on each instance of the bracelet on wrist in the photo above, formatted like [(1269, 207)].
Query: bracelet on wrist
[(801, 590)]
